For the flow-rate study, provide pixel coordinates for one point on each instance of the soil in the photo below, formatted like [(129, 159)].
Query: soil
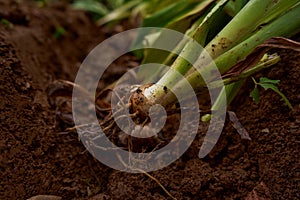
[(38, 158)]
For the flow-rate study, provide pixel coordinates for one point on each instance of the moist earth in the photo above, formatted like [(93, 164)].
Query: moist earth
[(37, 157)]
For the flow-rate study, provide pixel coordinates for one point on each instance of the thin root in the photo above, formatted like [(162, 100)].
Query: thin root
[(109, 126), (151, 177), (157, 181)]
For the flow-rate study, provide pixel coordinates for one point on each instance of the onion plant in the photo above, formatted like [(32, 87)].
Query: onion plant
[(229, 32), (235, 34)]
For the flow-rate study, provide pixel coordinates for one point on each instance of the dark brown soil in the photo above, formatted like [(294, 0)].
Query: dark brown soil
[(37, 159)]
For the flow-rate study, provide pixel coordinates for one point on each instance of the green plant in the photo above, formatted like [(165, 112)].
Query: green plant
[(95, 7), (236, 34), (253, 22), (5, 22), (59, 32), (105, 11), (267, 84), (229, 30)]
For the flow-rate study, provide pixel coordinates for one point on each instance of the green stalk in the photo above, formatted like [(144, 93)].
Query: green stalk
[(190, 52), (148, 74), (206, 24), (179, 22), (199, 31), (225, 61), (271, 60), (184, 41), (229, 92), (278, 9), (234, 6), (233, 85), (243, 24)]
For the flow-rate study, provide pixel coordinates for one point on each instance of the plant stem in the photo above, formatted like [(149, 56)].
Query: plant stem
[(225, 61), (188, 55), (228, 55), (232, 85), (245, 22), (271, 60)]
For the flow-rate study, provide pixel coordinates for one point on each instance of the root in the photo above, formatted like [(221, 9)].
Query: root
[(151, 177), (138, 106), (162, 187), (109, 126)]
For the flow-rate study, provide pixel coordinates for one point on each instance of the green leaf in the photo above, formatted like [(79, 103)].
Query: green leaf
[(59, 32), (255, 94), (263, 80), (166, 15), (198, 10), (275, 89), (287, 102), (272, 86), (7, 23), (159, 5), (178, 16), (92, 6), (268, 86), (115, 3), (119, 13)]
